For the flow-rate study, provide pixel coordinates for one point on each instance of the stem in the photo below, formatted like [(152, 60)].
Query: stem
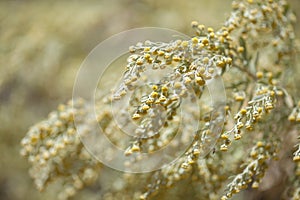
[(246, 71)]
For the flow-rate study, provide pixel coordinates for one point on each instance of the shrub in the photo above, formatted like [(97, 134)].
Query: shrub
[(255, 54)]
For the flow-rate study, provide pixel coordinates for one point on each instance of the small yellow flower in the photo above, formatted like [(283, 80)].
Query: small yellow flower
[(136, 116), (259, 74), (194, 24), (195, 40), (176, 58)]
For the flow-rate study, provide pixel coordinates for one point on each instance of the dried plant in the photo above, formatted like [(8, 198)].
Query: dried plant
[(254, 52)]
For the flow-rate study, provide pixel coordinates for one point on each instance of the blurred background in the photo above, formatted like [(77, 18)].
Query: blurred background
[(42, 45)]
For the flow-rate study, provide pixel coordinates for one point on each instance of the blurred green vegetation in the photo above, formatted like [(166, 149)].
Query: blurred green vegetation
[(43, 43)]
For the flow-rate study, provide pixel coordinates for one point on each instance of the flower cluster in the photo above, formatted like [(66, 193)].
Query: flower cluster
[(254, 168), (297, 154), (55, 152), (295, 118), (295, 114), (294, 190), (262, 102), (186, 65)]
